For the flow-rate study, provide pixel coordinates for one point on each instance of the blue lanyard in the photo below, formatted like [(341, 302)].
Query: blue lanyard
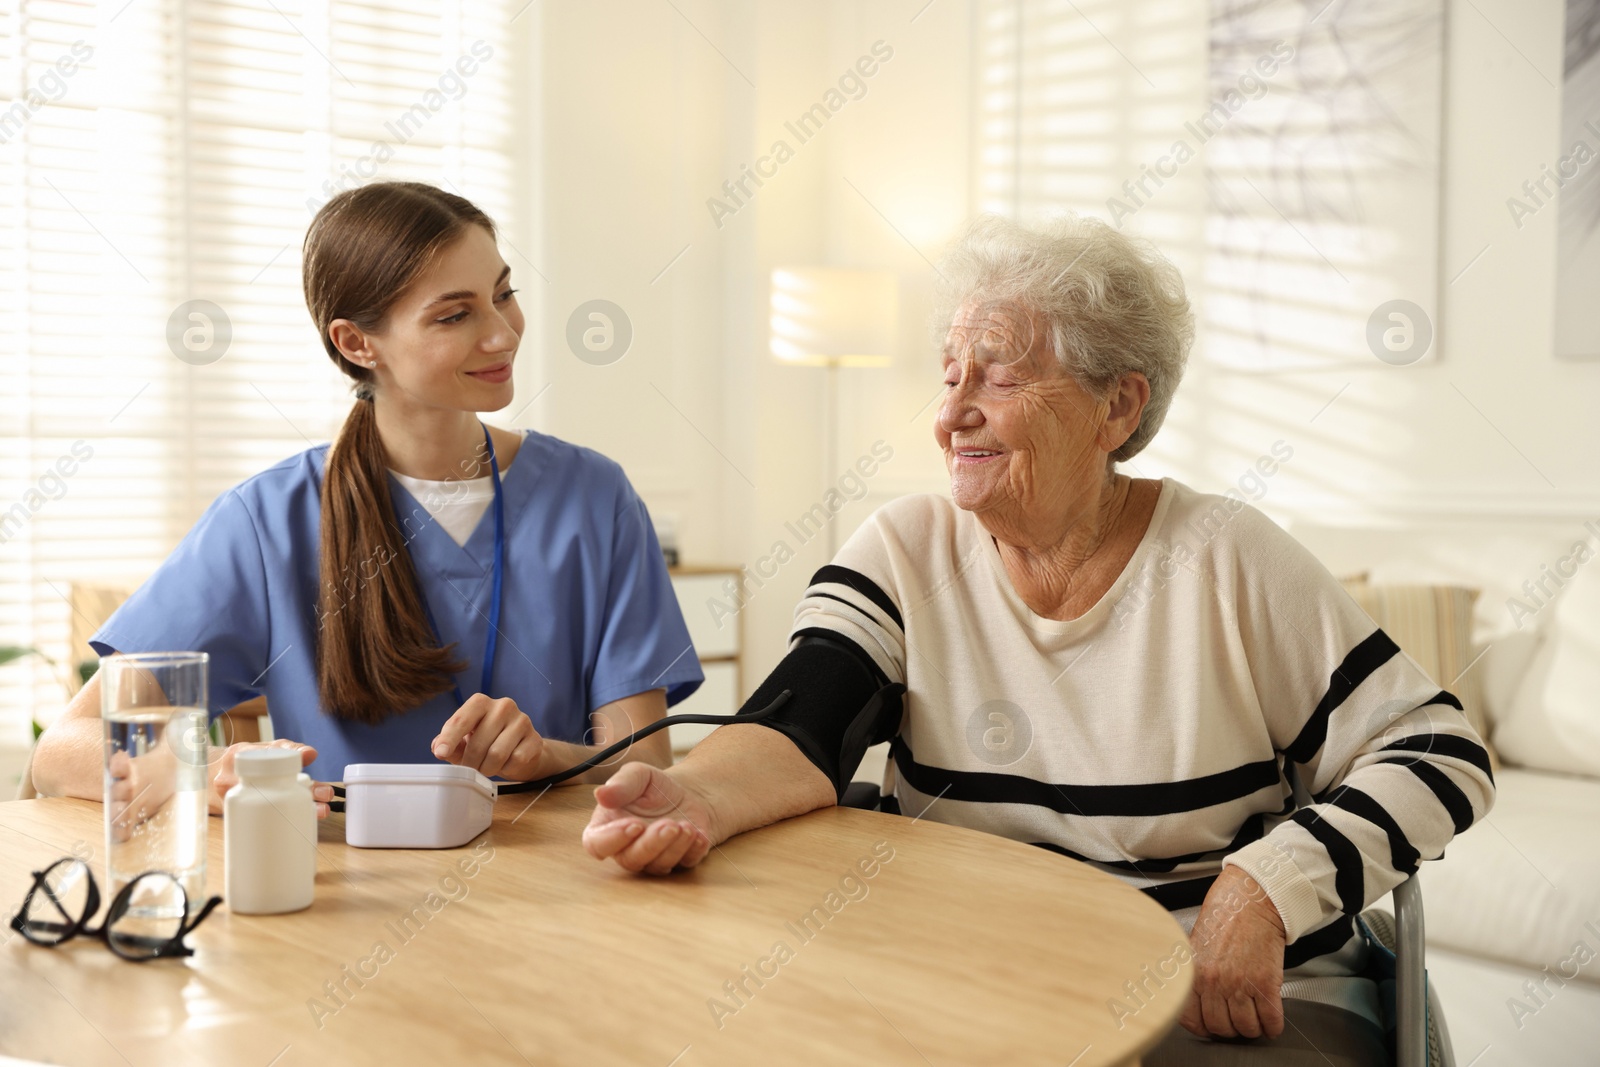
[(492, 641)]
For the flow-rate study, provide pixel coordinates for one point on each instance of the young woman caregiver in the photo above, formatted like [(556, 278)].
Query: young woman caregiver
[(427, 587)]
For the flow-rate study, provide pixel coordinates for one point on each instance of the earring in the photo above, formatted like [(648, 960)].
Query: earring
[(373, 363)]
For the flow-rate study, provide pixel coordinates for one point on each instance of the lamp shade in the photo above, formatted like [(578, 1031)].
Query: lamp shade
[(824, 315)]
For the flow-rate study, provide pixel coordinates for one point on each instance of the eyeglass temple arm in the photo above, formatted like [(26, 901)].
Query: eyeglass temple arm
[(207, 909)]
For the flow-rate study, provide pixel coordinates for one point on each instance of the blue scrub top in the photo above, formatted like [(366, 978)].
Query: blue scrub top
[(588, 613)]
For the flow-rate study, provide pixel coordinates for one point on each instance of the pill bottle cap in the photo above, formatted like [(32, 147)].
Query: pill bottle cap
[(256, 763)]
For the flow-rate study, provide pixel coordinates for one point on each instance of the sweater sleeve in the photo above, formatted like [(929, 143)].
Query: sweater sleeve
[(858, 597), (1386, 758)]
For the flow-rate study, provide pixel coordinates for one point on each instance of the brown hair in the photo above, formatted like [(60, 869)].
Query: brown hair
[(376, 654)]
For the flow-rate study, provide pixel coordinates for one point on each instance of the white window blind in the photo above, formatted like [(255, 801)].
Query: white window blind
[(1074, 97), (158, 152)]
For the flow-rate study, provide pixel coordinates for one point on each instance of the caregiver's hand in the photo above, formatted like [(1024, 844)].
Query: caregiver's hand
[(1238, 943), (647, 821), (223, 777), (492, 736)]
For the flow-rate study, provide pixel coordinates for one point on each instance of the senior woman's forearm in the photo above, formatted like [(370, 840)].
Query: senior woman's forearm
[(748, 776), (1421, 779)]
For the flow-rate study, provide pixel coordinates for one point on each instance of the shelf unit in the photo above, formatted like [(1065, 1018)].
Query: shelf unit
[(718, 641)]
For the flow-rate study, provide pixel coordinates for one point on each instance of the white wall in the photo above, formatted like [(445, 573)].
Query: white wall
[(1504, 121), (635, 120)]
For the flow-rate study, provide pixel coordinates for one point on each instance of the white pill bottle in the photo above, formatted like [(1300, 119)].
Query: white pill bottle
[(269, 833)]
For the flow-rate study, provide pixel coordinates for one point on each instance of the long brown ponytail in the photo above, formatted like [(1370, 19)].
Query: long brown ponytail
[(376, 654)]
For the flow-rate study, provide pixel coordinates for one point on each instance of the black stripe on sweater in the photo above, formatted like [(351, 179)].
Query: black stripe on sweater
[(1403, 855), (1447, 697), (1349, 881), (1450, 745), (1330, 938), (1357, 667), (1175, 896), (833, 574), (1254, 829), (1155, 798), (1449, 794)]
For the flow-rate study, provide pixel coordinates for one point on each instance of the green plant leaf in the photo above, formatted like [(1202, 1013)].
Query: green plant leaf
[(15, 652)]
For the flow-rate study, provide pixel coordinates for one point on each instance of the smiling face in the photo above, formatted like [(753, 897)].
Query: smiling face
[(1019, 434), (450, 339)]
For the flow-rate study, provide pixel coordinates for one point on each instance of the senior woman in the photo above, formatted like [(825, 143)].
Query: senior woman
[(1157, 681)]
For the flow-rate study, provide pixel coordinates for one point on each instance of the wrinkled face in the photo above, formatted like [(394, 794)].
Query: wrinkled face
[(1016, 430), (450, 340)]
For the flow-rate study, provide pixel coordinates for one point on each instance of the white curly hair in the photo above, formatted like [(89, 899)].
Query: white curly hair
[(1111, 303)]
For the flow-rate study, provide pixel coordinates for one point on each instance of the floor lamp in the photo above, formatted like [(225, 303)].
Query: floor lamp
[(832, 317)]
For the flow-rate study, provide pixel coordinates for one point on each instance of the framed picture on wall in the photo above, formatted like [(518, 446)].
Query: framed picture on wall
[(1574, 182), (1323, 231)]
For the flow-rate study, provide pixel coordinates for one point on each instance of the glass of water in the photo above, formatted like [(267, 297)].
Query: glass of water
[(153, 708)]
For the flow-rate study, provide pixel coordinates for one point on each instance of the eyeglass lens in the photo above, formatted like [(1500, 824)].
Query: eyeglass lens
[(60, 903), (146, 916)]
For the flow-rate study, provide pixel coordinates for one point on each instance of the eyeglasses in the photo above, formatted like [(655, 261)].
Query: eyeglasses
[(147, 920)]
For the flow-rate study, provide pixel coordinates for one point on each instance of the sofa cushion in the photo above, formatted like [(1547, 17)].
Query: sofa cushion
[(1554, 720), (1503, 666), (1524, 884)]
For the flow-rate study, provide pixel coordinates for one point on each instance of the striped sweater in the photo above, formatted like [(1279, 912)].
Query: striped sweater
[(1225, 702)]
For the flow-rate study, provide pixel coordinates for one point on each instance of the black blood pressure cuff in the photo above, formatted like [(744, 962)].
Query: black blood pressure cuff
[(839, 704)]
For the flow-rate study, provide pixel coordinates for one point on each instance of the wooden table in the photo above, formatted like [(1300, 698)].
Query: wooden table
[(960, 948)]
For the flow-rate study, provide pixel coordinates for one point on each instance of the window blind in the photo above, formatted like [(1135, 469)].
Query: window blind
[(160, 152), (1074, 97)]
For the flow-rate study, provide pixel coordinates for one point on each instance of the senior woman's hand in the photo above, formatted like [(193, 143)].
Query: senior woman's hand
[(1238, 941), (646, 820)]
